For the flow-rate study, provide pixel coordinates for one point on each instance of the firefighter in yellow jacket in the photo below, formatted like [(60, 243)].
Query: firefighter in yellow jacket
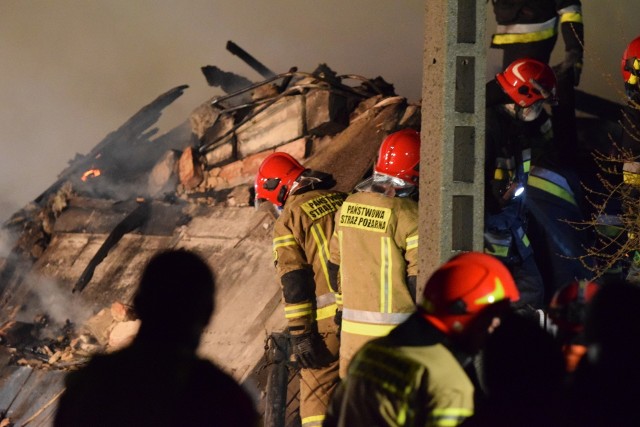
[(374, 249), (301, 250), (416, 375)]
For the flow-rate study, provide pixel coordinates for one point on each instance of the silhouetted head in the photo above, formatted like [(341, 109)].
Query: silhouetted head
[(175, 295), (613, 317)]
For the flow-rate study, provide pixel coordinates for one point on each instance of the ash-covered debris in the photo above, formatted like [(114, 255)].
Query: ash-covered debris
[(43, 344), (138, 192)]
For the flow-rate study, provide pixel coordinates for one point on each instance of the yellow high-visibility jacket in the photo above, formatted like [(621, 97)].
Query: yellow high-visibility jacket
[(375, 245), (301, 251), (409, 378)]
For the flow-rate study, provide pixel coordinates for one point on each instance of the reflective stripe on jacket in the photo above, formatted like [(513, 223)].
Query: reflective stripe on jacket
[(529, 21), (375, 244), (552, 183), (389, 375), (301, 242)]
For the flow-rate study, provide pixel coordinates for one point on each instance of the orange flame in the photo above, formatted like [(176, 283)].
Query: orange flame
[(90, 173)]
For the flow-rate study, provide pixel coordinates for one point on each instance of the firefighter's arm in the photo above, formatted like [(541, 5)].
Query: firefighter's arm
[(334, 266), (408, 225), (334, 275), (572, 28), (296, 276)]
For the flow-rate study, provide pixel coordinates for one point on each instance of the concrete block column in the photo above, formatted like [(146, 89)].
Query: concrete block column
[(453, 114)]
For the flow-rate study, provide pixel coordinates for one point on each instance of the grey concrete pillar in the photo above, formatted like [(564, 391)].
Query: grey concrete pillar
[(452, 150)]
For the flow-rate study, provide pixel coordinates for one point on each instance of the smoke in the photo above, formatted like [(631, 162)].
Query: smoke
[(6, 242), (48, 297)]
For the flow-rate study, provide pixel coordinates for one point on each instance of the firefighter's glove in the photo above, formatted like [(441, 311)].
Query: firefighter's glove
[(337, 319), (310, 350), (572, 64)]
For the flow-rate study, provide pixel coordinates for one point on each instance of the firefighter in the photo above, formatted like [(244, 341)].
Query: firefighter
[(568, 310), (374, 249), (301, 251), (514, 122), (415, 376), (529, 29), (630, 68), (525, 178)]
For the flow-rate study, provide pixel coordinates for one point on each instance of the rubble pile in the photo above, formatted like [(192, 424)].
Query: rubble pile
[(137, 192), (42, 344)]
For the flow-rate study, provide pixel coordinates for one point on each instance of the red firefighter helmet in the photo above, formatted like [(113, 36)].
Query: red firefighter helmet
[(630, 64), (568, 306), (463, 287), (528, 81), (275, 176), (399, 156)]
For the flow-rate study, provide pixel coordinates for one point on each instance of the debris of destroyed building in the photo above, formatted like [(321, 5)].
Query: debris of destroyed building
[(77, 249)]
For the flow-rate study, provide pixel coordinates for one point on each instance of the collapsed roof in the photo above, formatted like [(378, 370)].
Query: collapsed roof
[(77, 250)]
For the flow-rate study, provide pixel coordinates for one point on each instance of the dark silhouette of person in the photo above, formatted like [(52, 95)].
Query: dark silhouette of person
[(522, 372), (605, 388), (158, 380)]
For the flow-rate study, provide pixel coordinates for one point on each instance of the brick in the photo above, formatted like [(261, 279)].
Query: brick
[(221, 155), (299, 149), (190, 170), (122, 312), (278, 124), (224, 140)]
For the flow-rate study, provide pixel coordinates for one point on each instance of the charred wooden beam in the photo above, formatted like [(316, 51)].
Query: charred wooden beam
[(250, 60), (276, 394), (131, 131), (225, 80), (132, 221)]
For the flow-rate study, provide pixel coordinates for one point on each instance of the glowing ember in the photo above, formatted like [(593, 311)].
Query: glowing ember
[(90, 173)]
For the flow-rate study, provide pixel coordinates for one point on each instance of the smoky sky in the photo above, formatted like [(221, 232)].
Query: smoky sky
[(73, 71)]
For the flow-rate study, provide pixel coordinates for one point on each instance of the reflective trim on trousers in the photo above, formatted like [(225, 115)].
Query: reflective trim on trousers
[(294, 311), (326, 308)]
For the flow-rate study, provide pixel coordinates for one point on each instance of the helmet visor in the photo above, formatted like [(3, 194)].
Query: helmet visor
[(389, 185)]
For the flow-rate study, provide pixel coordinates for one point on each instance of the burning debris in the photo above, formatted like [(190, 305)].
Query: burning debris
[(138, 192)]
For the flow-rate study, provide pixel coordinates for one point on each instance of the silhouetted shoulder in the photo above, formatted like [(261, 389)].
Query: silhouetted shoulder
[(139, 388)]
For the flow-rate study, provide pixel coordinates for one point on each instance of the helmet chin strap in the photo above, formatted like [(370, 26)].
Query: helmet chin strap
[(525, 114)]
